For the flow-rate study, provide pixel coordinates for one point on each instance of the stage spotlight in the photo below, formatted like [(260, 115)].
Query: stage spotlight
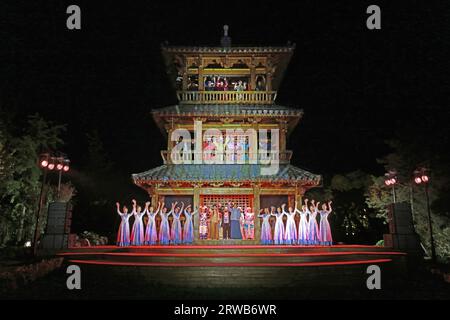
[(66, 168), (44, 163), (420, 175), (59, 166), (44, 160), (391, 181), (51, 166)]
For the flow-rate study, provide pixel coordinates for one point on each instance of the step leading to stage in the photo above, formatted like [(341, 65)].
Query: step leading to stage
[(201, 266)]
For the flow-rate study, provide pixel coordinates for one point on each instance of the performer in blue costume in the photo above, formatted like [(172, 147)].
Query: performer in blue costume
[(188, 229), (325, 230), (176, 232), (137, 232), (164, 229), (235, 221)]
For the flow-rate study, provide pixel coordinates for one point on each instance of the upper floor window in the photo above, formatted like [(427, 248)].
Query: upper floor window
[(227, 83)]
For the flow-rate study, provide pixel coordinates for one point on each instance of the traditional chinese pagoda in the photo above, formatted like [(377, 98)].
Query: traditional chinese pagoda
[(226, 88)]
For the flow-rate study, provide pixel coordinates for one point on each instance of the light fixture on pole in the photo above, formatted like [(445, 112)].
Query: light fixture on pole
[(421, 177), (390, 181), (48, 163)]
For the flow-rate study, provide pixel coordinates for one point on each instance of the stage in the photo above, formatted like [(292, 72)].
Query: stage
[(233, 266)]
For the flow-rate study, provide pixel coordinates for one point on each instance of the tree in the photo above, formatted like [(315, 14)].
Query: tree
[(20, 147), (422, 141)]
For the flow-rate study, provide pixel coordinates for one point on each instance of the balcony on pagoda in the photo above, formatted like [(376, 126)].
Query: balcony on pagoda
[(284, 157), (229, 97), (226, 74)]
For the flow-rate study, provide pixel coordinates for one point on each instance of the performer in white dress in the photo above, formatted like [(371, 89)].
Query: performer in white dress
[(188, 228), (291, 231), (137, 232), (164, 230), (176, 231), (313, 227), (151, 235), (278, 237), (123, 235), (325, 230), (303, 224)]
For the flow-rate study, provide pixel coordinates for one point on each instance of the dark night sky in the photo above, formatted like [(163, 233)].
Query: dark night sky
[(355, 85)]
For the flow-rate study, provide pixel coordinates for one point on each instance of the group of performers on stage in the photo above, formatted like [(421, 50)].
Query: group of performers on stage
[(148, 234), (226, 222), (309, 232)]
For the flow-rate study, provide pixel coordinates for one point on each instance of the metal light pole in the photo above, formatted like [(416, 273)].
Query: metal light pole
[(421, 177), (48, 163), (391, 180), (430, 225), (38, 214), (59, 181)]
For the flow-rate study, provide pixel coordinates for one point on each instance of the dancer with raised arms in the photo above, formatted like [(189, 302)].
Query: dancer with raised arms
[(123, 235), (303, 224), (151, 235), (290, 236), (266, 231), (188, 228), (325, 230), (164, 230), (137, 232), (313, 227), (176, 231), (278, 237)]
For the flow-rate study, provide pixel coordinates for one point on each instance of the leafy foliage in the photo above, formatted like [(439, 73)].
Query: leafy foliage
[(421, 144), (20, 182)]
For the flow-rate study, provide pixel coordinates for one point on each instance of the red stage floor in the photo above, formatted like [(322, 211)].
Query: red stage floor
[(231, 255)]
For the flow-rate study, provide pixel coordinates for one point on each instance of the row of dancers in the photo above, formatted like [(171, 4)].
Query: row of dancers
[(148, 235), (309, 232), (230, 221)]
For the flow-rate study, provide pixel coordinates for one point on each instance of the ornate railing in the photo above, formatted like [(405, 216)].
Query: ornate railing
[(222, 97), (236, 158)]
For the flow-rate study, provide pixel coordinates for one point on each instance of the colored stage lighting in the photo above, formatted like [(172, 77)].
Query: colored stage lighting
[(66, 168), (44, 163), (424, 178), (51, 166), (59, 166), (418, 180)]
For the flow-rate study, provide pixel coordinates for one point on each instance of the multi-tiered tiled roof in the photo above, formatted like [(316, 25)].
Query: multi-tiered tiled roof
[(191, 70)]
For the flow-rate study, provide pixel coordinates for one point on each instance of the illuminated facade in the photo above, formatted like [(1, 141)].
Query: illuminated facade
[(226, 88)]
